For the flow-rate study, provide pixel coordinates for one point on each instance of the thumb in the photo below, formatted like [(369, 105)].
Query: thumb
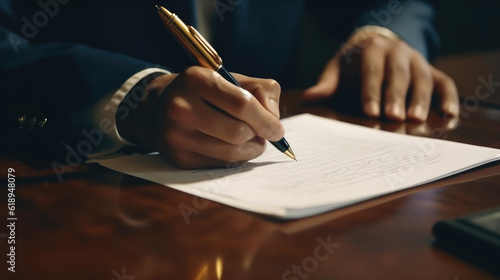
[(327, 83)]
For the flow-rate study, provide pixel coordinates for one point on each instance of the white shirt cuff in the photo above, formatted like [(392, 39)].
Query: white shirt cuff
[(99, 120)]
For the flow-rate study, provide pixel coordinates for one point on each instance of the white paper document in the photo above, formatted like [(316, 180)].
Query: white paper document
[(338, 164)]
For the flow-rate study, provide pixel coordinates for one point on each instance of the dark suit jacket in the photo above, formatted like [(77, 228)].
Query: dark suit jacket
[(59, 56)]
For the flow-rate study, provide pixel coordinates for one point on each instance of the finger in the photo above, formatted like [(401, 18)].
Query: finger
[(422, 86), (191, 160), (206, 145), (215, 123), (397, 82), (221, 150), (447, 91), (242, 105), (267, 92), (372, 75), (327, 83)]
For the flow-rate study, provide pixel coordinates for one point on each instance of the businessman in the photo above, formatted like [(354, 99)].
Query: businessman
[(107, 72)]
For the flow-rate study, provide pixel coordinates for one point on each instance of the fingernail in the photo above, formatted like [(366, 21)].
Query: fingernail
[(395, 112), (372, 109), (418, 113), (274, 107), (452, 109)]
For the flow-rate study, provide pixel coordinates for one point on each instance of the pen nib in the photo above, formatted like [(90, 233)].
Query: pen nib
[(290, 154)]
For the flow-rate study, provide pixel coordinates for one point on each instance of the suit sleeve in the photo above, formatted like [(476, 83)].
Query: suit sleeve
[(44, 85), (412, 21)]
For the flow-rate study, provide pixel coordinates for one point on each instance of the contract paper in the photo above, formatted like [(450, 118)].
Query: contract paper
[(338, 164)]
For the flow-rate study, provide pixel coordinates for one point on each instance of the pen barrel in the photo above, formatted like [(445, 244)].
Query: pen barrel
[(192, 41), (226, 75), (282, 145)]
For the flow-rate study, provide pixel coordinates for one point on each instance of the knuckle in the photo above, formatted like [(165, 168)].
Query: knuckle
[(213, 76), (417, 56), (195, 74), (273, 86), (267, 88), (239, 135), (399, 69), (400, 44), (240, 103), (179, 110), (378, 41), (423, 74)]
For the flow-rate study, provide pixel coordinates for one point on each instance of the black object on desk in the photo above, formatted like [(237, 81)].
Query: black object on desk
[(474, 238)]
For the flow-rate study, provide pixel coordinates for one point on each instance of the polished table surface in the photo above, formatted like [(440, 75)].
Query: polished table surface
[(99, 224)]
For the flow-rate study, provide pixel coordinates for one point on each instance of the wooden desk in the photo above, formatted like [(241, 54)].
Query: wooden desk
[(98, 224)]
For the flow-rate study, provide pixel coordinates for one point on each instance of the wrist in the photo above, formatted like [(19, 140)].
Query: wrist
[(136, 116), (366, 32)]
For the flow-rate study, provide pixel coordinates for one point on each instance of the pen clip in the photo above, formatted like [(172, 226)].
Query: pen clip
[(215, 56)]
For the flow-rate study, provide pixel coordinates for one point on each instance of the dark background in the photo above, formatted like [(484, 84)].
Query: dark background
[(468, 26)]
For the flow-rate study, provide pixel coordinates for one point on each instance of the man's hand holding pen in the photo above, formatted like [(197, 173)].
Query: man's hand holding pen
[(205, 117), (204, 55), (197, 119)]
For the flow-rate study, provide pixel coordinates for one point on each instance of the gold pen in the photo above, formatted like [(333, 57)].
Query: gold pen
[(203, 53)]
